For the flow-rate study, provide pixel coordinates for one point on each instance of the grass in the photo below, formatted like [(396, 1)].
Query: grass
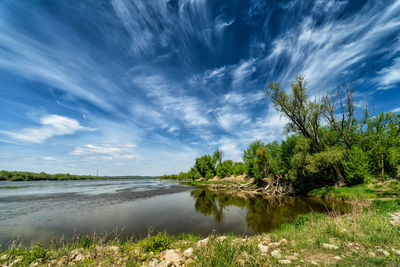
[(358, 235), (371, 190)]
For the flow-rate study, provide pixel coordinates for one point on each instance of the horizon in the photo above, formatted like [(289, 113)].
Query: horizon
[(137, 88)]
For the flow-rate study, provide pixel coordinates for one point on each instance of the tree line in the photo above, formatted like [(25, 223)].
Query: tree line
[(32, 176), (329, 141)]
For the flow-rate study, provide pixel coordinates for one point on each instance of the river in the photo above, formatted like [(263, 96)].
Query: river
[(40, 211)]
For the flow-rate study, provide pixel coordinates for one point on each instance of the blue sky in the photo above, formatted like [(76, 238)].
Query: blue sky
[(135, 87)]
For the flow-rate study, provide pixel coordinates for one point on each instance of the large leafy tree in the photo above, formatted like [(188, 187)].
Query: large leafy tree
[(383, 142)]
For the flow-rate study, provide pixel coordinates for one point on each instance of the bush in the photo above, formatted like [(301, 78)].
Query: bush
[(156, 243), (238, 168), (356, 167), (225, 169)]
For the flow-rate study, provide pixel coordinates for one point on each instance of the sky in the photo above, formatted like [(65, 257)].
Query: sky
[(138, 87)]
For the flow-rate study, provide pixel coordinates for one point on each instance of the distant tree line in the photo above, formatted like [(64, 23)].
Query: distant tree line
[(31, 176), (329, 142)]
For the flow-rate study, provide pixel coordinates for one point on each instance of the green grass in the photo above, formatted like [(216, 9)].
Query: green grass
[(371, 190)]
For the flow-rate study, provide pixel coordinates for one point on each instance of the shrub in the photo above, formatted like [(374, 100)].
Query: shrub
[(156, 243), (356, 167)]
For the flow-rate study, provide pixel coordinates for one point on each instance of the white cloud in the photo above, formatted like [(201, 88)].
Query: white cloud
[(52, 125), (396, 109), (230, 148), (326, 52), (105, 151), (389, 76)]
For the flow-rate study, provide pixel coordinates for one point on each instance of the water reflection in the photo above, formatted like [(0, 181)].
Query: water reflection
[(262, 213)]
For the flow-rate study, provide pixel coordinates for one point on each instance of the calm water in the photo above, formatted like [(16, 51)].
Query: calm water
[(42, 211)]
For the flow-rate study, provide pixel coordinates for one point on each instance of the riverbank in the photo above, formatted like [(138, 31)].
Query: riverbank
[(17, 176), (366, 236)]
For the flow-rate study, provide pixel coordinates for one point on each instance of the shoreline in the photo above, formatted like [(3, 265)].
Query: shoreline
[(367, 236)]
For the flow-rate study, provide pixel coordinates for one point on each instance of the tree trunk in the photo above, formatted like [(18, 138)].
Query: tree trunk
[(383, 166), (340, 182)]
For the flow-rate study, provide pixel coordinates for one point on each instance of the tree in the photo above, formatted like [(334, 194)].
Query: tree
[(205, 165), (217, 156), (304, 115), (383, 142), (225, 168)]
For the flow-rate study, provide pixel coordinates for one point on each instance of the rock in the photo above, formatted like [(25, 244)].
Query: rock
[(283, 241), (171, 256), (396, 251), (329, 246), (395, 218), (276, 253), (337, 258), (221, 238), (114, 248), (296, 254), (284, 262), (203, 242), (274, 244), (263, 249), (4, 257), (384, 252), (79, 257), (371, 254), (153, 263), (188, 253), (314, 263), (293, 258), (15, 262)]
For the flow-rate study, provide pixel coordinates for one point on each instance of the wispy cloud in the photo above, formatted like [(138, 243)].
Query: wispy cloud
[(105, 151), (390, 76), (52, 125)]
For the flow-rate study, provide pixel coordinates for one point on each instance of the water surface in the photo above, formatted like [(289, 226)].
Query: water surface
[(40, 211)]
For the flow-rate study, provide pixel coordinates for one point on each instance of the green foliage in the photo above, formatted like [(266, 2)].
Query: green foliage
[(356, 166), (159, 242), (205, 166), (384, 206), (238, 168), (225, 168), (257, 160), (383, 143), (85, 242)]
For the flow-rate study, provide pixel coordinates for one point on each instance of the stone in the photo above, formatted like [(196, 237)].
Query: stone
[(221, 238), (371, 254), (396, 251), (4, 257), (284, 262), (384, 252), (79, 257), (337, 258), (173, 257), (274, 244), (283, 241), (63, 259), (203, 242), (276, 253), (188, 253), (296, 254), (153, 263), (263, 249), (114, 248), (329, 246), (293, 258), (15, 262), (314, 263)]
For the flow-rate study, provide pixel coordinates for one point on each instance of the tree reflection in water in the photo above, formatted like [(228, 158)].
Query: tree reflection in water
[(263, 213)]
